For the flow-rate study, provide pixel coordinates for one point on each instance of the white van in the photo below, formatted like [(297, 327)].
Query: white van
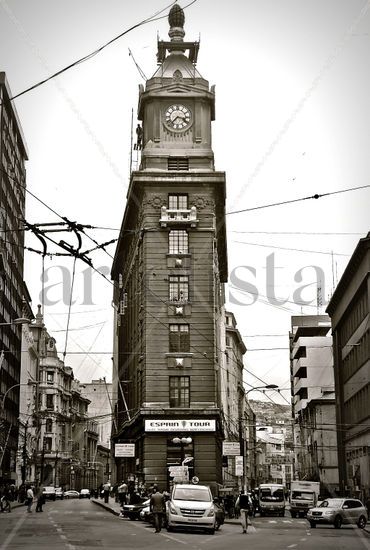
[(191, 506)]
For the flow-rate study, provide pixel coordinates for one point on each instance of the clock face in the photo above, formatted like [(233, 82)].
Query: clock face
[(177, 117)]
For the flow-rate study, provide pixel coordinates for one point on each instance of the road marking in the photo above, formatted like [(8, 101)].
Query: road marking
[(13, 532), (302, 540), (166, 535), (292, 546)]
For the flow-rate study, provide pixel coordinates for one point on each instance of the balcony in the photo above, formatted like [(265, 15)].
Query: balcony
[(300, 367), (178, 217)]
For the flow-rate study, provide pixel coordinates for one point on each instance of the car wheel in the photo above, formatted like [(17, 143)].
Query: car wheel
[(293, 514), (169, 528), (313, 524), (211, 532), (337, 522), (361, 522)]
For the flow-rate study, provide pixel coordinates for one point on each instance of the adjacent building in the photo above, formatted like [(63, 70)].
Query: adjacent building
[(168, 271), (313, 401), (58, 442), (13, 156), (349, 309)]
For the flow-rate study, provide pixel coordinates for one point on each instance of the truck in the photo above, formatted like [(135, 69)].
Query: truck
[(271, 499), (303, 495)]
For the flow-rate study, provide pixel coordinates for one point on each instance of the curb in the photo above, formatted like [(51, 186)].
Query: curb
[(106, 507)]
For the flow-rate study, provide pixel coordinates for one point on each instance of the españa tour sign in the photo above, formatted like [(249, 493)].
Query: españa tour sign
[(198, 425)]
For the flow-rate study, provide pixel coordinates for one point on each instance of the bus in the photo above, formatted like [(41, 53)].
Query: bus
[(271, 499)]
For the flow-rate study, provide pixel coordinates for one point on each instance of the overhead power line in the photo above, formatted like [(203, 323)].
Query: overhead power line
[(150, 19), (316, 196)]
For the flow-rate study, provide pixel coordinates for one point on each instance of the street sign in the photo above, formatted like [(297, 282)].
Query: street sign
[(230, 448), (124, 450), (179, 473), (239, 470), (279, 459)]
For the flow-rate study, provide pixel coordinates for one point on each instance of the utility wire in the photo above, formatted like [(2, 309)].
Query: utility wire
[(316, 196), (98, 50), (292, 249)]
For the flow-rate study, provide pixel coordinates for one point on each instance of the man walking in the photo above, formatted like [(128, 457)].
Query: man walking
[(30, 497), (106, 490), (122, 493), (244, 507), (157, 507)]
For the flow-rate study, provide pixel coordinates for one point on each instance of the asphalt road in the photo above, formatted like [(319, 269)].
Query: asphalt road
[(81, 524)]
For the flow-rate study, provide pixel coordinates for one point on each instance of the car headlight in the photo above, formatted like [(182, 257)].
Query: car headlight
[(172, 508), (211, 513), (328, 512)]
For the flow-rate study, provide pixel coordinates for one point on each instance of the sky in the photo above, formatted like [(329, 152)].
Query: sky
[(292, 119)]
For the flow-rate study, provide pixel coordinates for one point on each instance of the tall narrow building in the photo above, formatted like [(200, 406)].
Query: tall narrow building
[(13, 154), (169, 269)]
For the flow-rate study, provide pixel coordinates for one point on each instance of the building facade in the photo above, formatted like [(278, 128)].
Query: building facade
[(57, 443), (169, 269), (99, 394), (349, 309), (13, 155), (312, 385)]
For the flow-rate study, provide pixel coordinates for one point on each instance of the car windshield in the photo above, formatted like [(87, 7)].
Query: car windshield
[(334, 503), (269, 494), (302, 495), (197, 493)]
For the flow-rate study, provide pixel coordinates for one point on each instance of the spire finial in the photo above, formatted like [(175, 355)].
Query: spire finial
[(176, 19)]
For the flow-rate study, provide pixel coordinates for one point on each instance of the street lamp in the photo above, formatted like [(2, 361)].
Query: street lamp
[(18, 321), (28, 383), (262, 388)]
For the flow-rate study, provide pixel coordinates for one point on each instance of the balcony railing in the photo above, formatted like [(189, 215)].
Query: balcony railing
[(178, 217)]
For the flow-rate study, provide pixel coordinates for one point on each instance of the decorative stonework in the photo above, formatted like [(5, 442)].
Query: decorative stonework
[(156, 201), (177, 76), (201, 201)]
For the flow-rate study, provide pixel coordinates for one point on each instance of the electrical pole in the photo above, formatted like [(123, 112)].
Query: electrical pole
[(24, 455)]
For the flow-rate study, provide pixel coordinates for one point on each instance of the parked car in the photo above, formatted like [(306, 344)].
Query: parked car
[(49, 493), (145, 514), (338, 511), (84, 493), (132, 511), (59, 493), (191, 507), (71, 494)]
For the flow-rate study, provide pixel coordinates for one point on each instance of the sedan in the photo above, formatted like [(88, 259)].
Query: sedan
[(71, 494), (338, 511), (132, 511), (84, 493)]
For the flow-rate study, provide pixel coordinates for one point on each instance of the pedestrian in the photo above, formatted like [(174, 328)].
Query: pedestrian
[(157, 508), (122, 493), (367, 504), (6, 499), (244, 507), (29, 499), (40, 500), (106, 489)]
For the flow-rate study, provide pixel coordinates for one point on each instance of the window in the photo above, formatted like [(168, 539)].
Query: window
[(47, 443), (179, 391), (50, 401), (49, 425), (179, 288), (178, 202), (49, 377), (179, 338), (178, 242)]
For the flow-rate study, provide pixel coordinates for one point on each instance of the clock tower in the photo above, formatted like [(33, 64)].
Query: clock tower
[(168, 271)]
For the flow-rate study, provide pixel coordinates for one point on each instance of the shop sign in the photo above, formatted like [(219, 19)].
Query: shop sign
[(230, 448), (239, 466), (124, 450), (198, 425)]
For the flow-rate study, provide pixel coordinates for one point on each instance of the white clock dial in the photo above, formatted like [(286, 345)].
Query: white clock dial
[(177, 117)]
